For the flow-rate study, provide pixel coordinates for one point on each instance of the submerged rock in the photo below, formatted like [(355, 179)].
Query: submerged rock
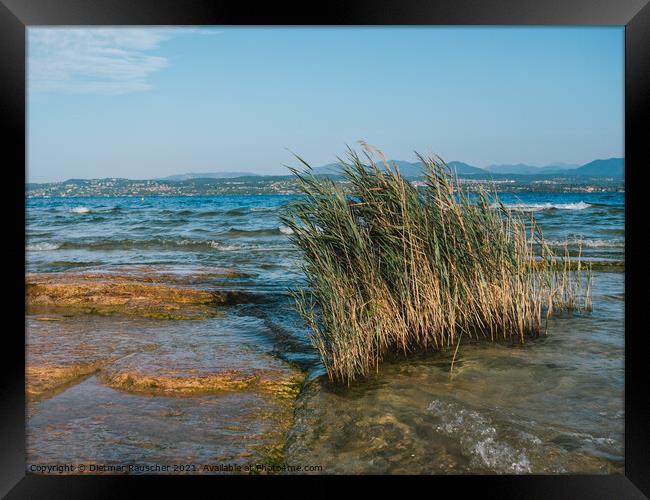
[(211, 356), (158, 374), (105, 389), (46, 379), (157, 295), (167, 274), (110, 390), (91, 423), (63, 350)]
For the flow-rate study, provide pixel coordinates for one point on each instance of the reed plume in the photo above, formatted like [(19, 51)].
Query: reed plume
[(391, 267)]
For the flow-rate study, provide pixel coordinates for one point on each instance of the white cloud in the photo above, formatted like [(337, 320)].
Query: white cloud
[(106, 61)]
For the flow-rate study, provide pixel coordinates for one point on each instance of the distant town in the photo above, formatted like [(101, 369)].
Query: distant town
[(272, 185), (596, 176)]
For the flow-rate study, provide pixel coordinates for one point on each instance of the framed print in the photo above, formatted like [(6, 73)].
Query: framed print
[(373, 240)]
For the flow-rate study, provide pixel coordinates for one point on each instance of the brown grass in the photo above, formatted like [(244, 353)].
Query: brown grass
[(393, 268)]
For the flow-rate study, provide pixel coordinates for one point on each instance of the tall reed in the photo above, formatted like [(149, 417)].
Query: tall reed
[(392, 267)]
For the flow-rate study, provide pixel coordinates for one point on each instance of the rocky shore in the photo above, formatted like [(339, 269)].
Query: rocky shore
[(143, 335), (135, 291)]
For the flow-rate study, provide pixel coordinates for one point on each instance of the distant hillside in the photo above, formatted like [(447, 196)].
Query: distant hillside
[(464, 169), (524, 169), (207, 175), (612, 167), (407, 169)]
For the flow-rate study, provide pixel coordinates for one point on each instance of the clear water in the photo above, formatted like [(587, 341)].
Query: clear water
[(552, 405)]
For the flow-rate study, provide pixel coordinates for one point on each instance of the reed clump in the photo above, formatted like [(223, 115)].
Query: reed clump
[(391, 267)]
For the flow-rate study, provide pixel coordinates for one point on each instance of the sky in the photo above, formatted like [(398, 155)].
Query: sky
[(149, 102)]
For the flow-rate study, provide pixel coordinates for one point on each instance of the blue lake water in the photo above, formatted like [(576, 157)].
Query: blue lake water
[(244, 231)]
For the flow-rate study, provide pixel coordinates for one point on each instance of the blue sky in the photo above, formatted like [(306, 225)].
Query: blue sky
[(150, 102)]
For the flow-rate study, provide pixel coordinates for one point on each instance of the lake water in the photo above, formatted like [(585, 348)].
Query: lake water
[(554, 404)]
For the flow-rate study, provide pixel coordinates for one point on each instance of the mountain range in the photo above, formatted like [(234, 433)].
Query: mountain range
[(206, 175), (611, 167), (407, 169)]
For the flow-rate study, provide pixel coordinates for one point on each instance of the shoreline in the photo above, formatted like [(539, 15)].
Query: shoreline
[(173, 390)]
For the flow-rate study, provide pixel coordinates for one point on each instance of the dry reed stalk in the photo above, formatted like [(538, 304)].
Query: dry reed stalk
[(390, 267)]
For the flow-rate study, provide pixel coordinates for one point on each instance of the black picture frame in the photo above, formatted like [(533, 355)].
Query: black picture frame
[(17, 15)]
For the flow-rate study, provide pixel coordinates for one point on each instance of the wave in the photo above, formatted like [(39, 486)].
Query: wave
[(228, 247), (236, 211), (251, 248), (206, 213), (534, 207), (480, 440), (58, 265), (614, 232), (104, 209), (250, 233), (43, 246), (80, 210), (595, 243), (164, 244)]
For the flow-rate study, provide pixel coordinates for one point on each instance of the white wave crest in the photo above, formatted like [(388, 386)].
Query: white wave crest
[(248, 248), (43, 247), (479, 438), (80, 210), (230, 248), (596, 243), (225, 248), (534, 207), (200, 243)]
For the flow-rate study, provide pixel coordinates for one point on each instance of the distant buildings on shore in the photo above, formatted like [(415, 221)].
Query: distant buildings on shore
[(279, 185)]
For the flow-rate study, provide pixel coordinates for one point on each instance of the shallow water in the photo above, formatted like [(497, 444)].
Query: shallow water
[(554, 404), (92, 422)]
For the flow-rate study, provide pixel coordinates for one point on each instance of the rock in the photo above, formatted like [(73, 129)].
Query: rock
[(47, 380), (91, 423), (135, 292), (104, 389), (190, 369), (165, 274), (69, 349), (163, 392)]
